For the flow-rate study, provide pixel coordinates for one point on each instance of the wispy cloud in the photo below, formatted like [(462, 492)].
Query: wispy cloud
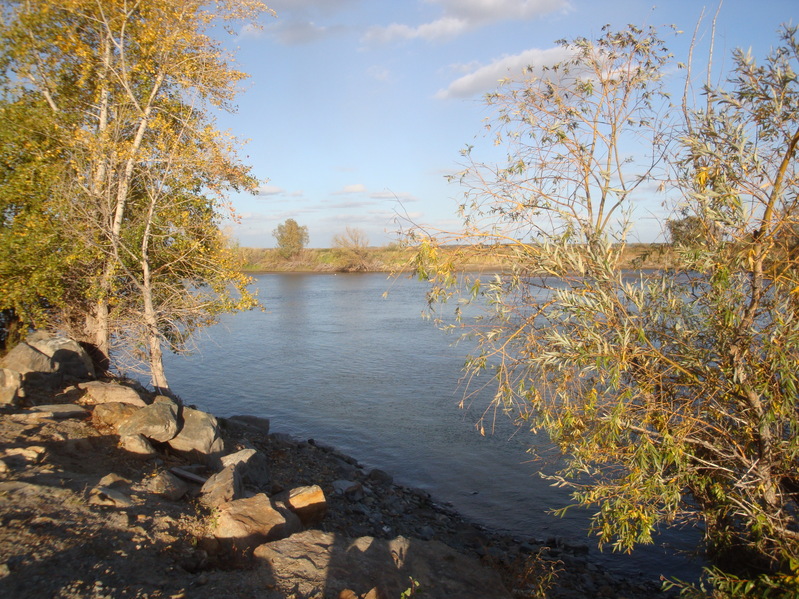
[(350, 189), (270, 190), (298, 21), (485, 78), (274, 190), (461, 16)]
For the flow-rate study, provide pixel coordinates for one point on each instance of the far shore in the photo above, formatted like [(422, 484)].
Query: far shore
[(397, 259)]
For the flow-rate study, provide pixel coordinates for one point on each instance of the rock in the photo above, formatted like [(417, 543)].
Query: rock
[(25, 359), (112, 414), (137, 444), (312, 560), (350, 489), (222, 487), (168, 485), (252, 465), (67, 356), (158, 422), (113, 480), (99, 392), (380, 477), (188, 475), (199, 436), (10, 387), (109, 497), (247, 523), (62, 411), (253, 422), (308, 503)]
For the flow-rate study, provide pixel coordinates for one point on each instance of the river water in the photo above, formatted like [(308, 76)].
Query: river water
[(337, 359)]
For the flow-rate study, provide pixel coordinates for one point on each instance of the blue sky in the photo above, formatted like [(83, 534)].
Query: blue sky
[(355, 110)]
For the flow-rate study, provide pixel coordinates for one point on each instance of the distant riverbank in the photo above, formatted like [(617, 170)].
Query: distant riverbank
[(396, 258)]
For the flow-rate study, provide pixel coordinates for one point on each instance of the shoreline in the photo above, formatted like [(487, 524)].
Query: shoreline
[(373, 507)]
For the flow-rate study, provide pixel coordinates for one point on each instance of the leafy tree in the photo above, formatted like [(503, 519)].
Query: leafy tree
[(129, 88), (672, 395), (291, 238), (353, 247)]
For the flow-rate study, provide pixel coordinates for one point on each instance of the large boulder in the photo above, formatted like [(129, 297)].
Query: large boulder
[(199, 437), (158, 422), (98, 392), (247, 523), (313, 561), (68, 356), (10, 386), (25, 359)]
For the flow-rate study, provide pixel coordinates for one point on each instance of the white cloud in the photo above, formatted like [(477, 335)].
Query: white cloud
[(486, 78), (270, 190), (356, 188), (251, 30), (460, 16)]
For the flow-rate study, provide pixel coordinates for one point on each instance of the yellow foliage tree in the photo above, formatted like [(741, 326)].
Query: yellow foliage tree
[(132, 83)]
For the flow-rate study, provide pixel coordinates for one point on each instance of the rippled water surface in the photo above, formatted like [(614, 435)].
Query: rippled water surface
[(332, 359)]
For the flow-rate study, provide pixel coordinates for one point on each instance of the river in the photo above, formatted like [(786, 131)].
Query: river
[(349, 361)]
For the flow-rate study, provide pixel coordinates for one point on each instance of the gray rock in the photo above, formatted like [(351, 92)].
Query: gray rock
[(250, 522), (158, 422), (26, 359), (313, 560), (99, 392), (252, 465), (352, 490), (199, 436), (222, 487), (109, 497), (137, 444), (10, 387), (168, 485), (380, 477), (67, 356)]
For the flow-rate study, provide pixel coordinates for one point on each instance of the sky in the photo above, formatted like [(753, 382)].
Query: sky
[(356, 110)]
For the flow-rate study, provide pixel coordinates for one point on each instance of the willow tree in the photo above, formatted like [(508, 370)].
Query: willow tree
[(132, 84), (673, 396)]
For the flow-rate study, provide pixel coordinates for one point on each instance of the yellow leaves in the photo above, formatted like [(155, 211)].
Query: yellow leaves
[(701, 178)]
